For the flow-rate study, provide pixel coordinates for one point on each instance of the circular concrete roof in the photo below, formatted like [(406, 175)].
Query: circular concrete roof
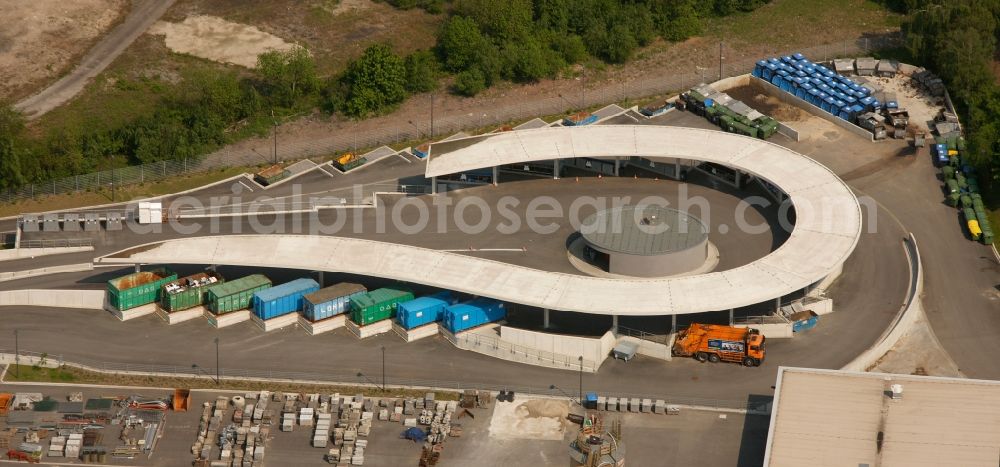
[(646, 230), (827, 229)]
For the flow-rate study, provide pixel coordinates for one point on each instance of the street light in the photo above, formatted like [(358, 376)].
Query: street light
[(581, 379), (218, 372), (17, 357), (274, 124), (383, 368)]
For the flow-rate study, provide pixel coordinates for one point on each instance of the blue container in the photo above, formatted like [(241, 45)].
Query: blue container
[(828, 104), (802, 92), (424, 310), (788, 59), (474, 313), (330, 301), (798, 56), (758, 70), (891, 105), (857, 109), (283, 299), (805, 324), (800, 73), (941, 149), (845, 113)]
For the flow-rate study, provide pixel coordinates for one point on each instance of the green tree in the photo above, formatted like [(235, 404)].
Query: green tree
[(503, 20), (421, 71), (375, 82), (11, 149), (460, 43), (288, 75), (470, 82)]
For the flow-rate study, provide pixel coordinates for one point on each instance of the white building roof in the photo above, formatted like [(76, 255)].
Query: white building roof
[(831, 418)]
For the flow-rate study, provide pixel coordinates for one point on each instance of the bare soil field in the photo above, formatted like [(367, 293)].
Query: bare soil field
[(42, 39), (216, 39), (335, 32)]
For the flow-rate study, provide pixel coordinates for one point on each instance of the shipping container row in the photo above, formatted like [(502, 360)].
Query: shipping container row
[(304, 296)]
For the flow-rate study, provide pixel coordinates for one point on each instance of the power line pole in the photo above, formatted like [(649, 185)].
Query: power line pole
[(274, 124), (432, 115), (720, 60)]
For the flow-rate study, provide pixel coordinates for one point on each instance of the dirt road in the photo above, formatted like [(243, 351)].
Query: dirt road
[(143, 15)]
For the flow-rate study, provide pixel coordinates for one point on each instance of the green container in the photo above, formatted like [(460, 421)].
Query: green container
[(969, 214), (966, 201), (766, 127), (948, 172), (188, 292), (952, 186), (234, 295), (137, 289), (952, 199), (987, 237), (973, 184), (960, 179), (378, 305)]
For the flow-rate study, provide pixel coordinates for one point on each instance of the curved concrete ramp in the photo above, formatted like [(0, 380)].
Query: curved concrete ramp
[(828, 225)]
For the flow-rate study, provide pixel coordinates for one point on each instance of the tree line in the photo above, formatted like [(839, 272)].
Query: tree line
[(957, 40), (480, 43)]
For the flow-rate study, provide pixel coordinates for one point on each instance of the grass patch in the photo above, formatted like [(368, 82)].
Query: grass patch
[(796, 23), (91, 198), (67, 374)]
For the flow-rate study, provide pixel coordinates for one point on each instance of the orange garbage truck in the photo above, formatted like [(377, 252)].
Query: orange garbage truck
[(714, 343)]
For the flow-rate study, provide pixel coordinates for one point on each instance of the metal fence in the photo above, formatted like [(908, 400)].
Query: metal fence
[(643, 335), (469, 114), (351, 379), (57, 243)]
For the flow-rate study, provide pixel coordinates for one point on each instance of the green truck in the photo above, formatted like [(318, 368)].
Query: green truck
[(378, 305), (234, 295), (137, 289), (188, 292)]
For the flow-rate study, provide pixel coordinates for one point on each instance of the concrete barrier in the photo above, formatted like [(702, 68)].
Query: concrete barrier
[(18, 253), (595, 349), (790, 99), (789, 132), (89, 299), (14, 275), (908, 314), (650, 348)]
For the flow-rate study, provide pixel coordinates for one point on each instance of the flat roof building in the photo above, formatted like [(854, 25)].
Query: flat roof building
[(827, 418)]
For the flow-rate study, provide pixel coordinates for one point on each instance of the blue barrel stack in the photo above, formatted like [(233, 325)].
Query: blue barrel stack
[(818, 85)]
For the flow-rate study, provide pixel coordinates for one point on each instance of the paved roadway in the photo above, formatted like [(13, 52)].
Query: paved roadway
[(144, 13), (866, 297)]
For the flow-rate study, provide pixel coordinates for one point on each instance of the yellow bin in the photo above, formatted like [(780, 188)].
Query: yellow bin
[(974, 229)]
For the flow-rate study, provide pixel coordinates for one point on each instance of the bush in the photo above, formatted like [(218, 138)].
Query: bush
[(470, 82), (375, 82), (421, 72), (288, 76)]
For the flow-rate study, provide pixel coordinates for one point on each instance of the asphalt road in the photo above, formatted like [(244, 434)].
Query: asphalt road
[(866, 299), (144, 13)]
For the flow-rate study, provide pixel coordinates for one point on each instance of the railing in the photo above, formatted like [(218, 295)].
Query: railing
[(646, 336), (352, 379), (387, 130), (57, 243)]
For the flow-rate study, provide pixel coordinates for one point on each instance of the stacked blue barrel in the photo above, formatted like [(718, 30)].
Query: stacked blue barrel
[(818, 85)]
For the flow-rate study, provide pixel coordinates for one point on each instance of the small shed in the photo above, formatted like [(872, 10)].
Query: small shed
[(887, 68), (866, 66), (844, 66)]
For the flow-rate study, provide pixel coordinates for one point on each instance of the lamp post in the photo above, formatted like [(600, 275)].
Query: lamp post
[(581, 379), (274, 125), (218, 372), (17, 357), (383, 368), (432, 115)]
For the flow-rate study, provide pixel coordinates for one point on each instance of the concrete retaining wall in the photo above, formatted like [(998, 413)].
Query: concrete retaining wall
[(89, 299), (17, 253), (14, 275), (790, 99), (649, 348), (590, 348), (908, 313), (788, 131)]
